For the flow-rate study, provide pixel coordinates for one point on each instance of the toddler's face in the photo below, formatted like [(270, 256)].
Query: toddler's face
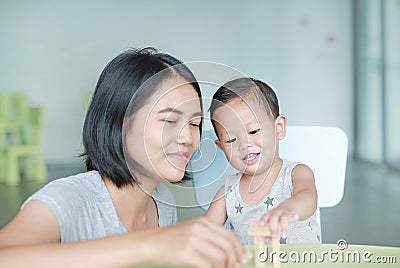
[(246, 135)]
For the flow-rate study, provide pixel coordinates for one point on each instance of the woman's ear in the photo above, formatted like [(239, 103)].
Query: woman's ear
[(280, 126)]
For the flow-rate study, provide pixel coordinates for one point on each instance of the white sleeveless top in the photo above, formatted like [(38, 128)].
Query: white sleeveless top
[(241, 214)]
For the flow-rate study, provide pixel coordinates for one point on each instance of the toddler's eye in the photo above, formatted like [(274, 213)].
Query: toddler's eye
[(231, 140), (254, 131)]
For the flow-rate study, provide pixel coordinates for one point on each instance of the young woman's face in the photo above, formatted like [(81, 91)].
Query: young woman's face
[(165, 132), (246, 135)]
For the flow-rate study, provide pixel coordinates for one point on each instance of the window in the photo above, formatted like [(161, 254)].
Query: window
[(377, 81)]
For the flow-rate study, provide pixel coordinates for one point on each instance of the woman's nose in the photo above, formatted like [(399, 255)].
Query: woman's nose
[(185, 135)]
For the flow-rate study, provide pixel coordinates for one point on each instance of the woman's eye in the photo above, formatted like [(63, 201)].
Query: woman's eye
[(195, 124), (254, 131), (169, 121)]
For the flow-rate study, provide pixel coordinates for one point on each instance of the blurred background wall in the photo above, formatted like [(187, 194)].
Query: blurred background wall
[(54, 51), (331, 62)]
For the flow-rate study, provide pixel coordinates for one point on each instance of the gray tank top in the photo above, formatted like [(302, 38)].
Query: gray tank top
[(241, 214), (85, 211)]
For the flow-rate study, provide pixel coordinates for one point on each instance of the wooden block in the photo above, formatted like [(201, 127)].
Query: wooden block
[(259, 233), (257, 230)]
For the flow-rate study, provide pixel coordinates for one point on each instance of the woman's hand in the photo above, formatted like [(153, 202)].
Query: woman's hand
[(197, 243)]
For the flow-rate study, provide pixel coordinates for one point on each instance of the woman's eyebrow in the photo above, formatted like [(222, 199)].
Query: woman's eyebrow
[(170, 110)]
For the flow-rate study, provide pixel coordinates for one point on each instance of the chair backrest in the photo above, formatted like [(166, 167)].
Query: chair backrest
[(13, 109), (34, 128), (13, 116), (324, 149)]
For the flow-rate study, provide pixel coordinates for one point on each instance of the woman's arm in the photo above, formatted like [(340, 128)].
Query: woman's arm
[(34, 224), (32, 240), (217, 210), (300, 206)]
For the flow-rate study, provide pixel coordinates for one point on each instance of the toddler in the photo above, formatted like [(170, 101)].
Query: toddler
[(268, 189)]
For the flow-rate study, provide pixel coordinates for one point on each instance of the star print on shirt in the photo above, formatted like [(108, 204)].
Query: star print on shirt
[(309, 225), (269, 202), (283, 240), (239, 209), (230, 188)]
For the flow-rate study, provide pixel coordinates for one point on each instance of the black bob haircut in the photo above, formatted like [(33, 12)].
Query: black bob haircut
[(240, 88), (116, 89)]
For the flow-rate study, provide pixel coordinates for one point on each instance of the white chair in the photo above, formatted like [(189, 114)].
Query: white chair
[(323, 149)]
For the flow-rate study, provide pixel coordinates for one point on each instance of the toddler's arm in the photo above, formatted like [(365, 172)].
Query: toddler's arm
[(217, 210), (300, 206)]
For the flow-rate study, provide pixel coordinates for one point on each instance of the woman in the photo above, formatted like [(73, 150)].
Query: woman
[(141, 128)]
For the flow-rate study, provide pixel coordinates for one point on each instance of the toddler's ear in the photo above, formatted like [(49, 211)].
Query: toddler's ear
[(218, 143), (280, 126)]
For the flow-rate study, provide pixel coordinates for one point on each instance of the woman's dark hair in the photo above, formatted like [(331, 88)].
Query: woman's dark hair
[(240, 88), (117, 88)]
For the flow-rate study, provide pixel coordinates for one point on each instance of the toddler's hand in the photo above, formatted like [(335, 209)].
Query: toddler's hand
[(276, 218)]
